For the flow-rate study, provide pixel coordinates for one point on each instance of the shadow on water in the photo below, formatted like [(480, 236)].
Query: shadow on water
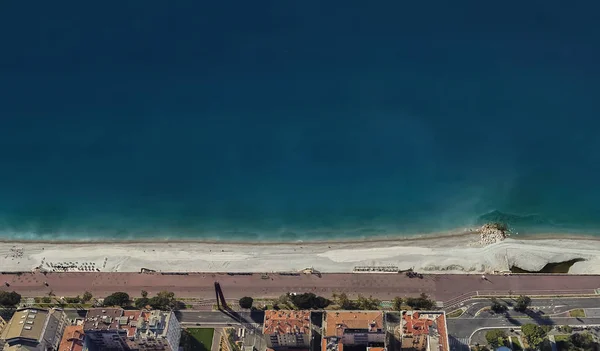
[(554, 267)]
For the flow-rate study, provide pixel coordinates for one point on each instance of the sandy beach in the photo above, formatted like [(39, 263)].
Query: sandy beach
[(448, 254)]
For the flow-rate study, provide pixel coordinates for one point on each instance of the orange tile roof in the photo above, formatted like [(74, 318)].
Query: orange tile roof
[(287, 322), (72, 339), (336, 322), (375, 348), (134, 316), (416, 329), (416, 326), (441, 324)]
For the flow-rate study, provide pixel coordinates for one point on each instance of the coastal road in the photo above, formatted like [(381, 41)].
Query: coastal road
[(544, 311), (451, 288), (545, 306), (462, 329)]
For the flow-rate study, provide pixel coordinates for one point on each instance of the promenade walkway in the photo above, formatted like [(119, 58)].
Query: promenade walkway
[(385, 286)]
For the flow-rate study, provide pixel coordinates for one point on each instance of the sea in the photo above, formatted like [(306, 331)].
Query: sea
[(297, 120)]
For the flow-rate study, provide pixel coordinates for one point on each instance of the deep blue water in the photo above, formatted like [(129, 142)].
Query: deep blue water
[(297, 120)]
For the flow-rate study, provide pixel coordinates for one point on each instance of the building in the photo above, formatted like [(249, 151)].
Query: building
[(353, 330), (116, 329), (104, 329), (424, 331), (287, 329), (72, 339), (158, 327), (34, 329)]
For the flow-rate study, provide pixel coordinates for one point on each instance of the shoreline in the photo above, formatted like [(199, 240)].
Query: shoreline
[(375, 239)]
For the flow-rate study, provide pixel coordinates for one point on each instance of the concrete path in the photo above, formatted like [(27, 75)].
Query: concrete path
[(216, 342)]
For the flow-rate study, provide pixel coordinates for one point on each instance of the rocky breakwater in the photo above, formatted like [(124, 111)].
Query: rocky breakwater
[(491, 233)]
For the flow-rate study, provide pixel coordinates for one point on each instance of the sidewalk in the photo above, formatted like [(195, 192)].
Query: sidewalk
[(216, 341)]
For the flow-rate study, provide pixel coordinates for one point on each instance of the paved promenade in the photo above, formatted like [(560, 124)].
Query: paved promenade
[(447, 288)]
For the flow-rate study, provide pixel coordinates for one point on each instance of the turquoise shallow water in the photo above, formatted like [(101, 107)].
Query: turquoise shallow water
[(301, 121)]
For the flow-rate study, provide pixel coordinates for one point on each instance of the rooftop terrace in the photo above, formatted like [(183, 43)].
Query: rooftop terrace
[(337, 322), (72, 339), (103, 319)]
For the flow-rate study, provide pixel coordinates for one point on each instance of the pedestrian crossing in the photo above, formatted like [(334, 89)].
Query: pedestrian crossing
[(458, 344)]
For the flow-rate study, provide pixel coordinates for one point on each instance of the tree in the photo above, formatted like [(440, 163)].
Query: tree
[(420, 303), (76, 299), (321, 302), (46, 299), (498, 307), (583, 340), (567, 329), (397, 304), (495, 337), (164, 300), (534, 334), (523, 303), (144, 293), (9, 298), (368, 303), (284, 299), (117, 299), (246, 302), (141, 303), (87, 296), (344, 302), (309, 301)]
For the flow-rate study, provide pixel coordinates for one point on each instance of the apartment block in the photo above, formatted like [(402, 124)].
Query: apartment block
[(423, 331), (158, 327), (287, 329), (117, 329), (353, 330)]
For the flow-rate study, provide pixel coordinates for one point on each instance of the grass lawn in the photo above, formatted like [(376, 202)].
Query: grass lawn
[(455, 313), (197, 339), (577, 313), (561, 337)]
